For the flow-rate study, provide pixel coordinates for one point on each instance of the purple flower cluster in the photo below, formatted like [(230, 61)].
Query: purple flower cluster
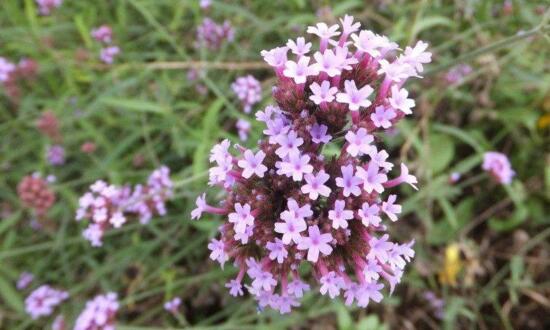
[(43, 300), (211, 35), (99, 313), (104, 35), (248, 91), (24, 280), (457, 73), (292, 202), (46, 6), (56, 155), (243, 128), (108, 206), (6, 68), (172, 305), (498, 165), (436, 304), (108, 54)]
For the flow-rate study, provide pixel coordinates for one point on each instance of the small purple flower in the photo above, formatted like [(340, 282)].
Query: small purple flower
[(390, 208), (299, 47), (218, 251), (370, 291), (369, 43), (349, 182), (382, 117), (275, 57), (379, 248), (379, 158), (248, 90), (108, 54), (288, 143), (399, 100), (324, 32), (212, 35), (359, 143), (277, 250), (370, 215), (296, 211), (297, 288), (291, 229), (328, 63), (395, 71), (498, 165), (46, 6), (252, 164), (296, 166), (204, 4), (43, 300), (6, 68), (103, 34), (56, 155), (331, 283), (315, 185), (355, 98), (241, 218), (417, 55), (243, 128), (264, 281), (339, 215), (173, 305), (24, 280), (348, 26), (299, 71), (315, 243), (322, 93), (235, 288), (372, 270), (99, 313), (319, 134), (373, 179)]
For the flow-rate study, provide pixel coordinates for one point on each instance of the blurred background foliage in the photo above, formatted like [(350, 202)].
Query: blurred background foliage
[(482, 248)]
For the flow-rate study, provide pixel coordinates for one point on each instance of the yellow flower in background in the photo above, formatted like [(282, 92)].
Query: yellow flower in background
[(544, 121), (452, 265)]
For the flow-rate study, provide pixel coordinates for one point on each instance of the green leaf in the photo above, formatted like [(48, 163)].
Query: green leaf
[(10, 296), (209, 132), (370, 322), (519, 216), (135, 105), (343, 317), (439, 153)]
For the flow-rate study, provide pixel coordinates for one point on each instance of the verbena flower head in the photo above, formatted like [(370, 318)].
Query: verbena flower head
[(108, 54), (109, 206), (46, 6), (24, 280), (59, 323), (498, 165), (104, 34), (99, 313), (173, 305), (248, 91), (6, 68), (48, 124), (35, 193), (56, 155), (212, 35), (243, 128), (291, 205), (43, 300)]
